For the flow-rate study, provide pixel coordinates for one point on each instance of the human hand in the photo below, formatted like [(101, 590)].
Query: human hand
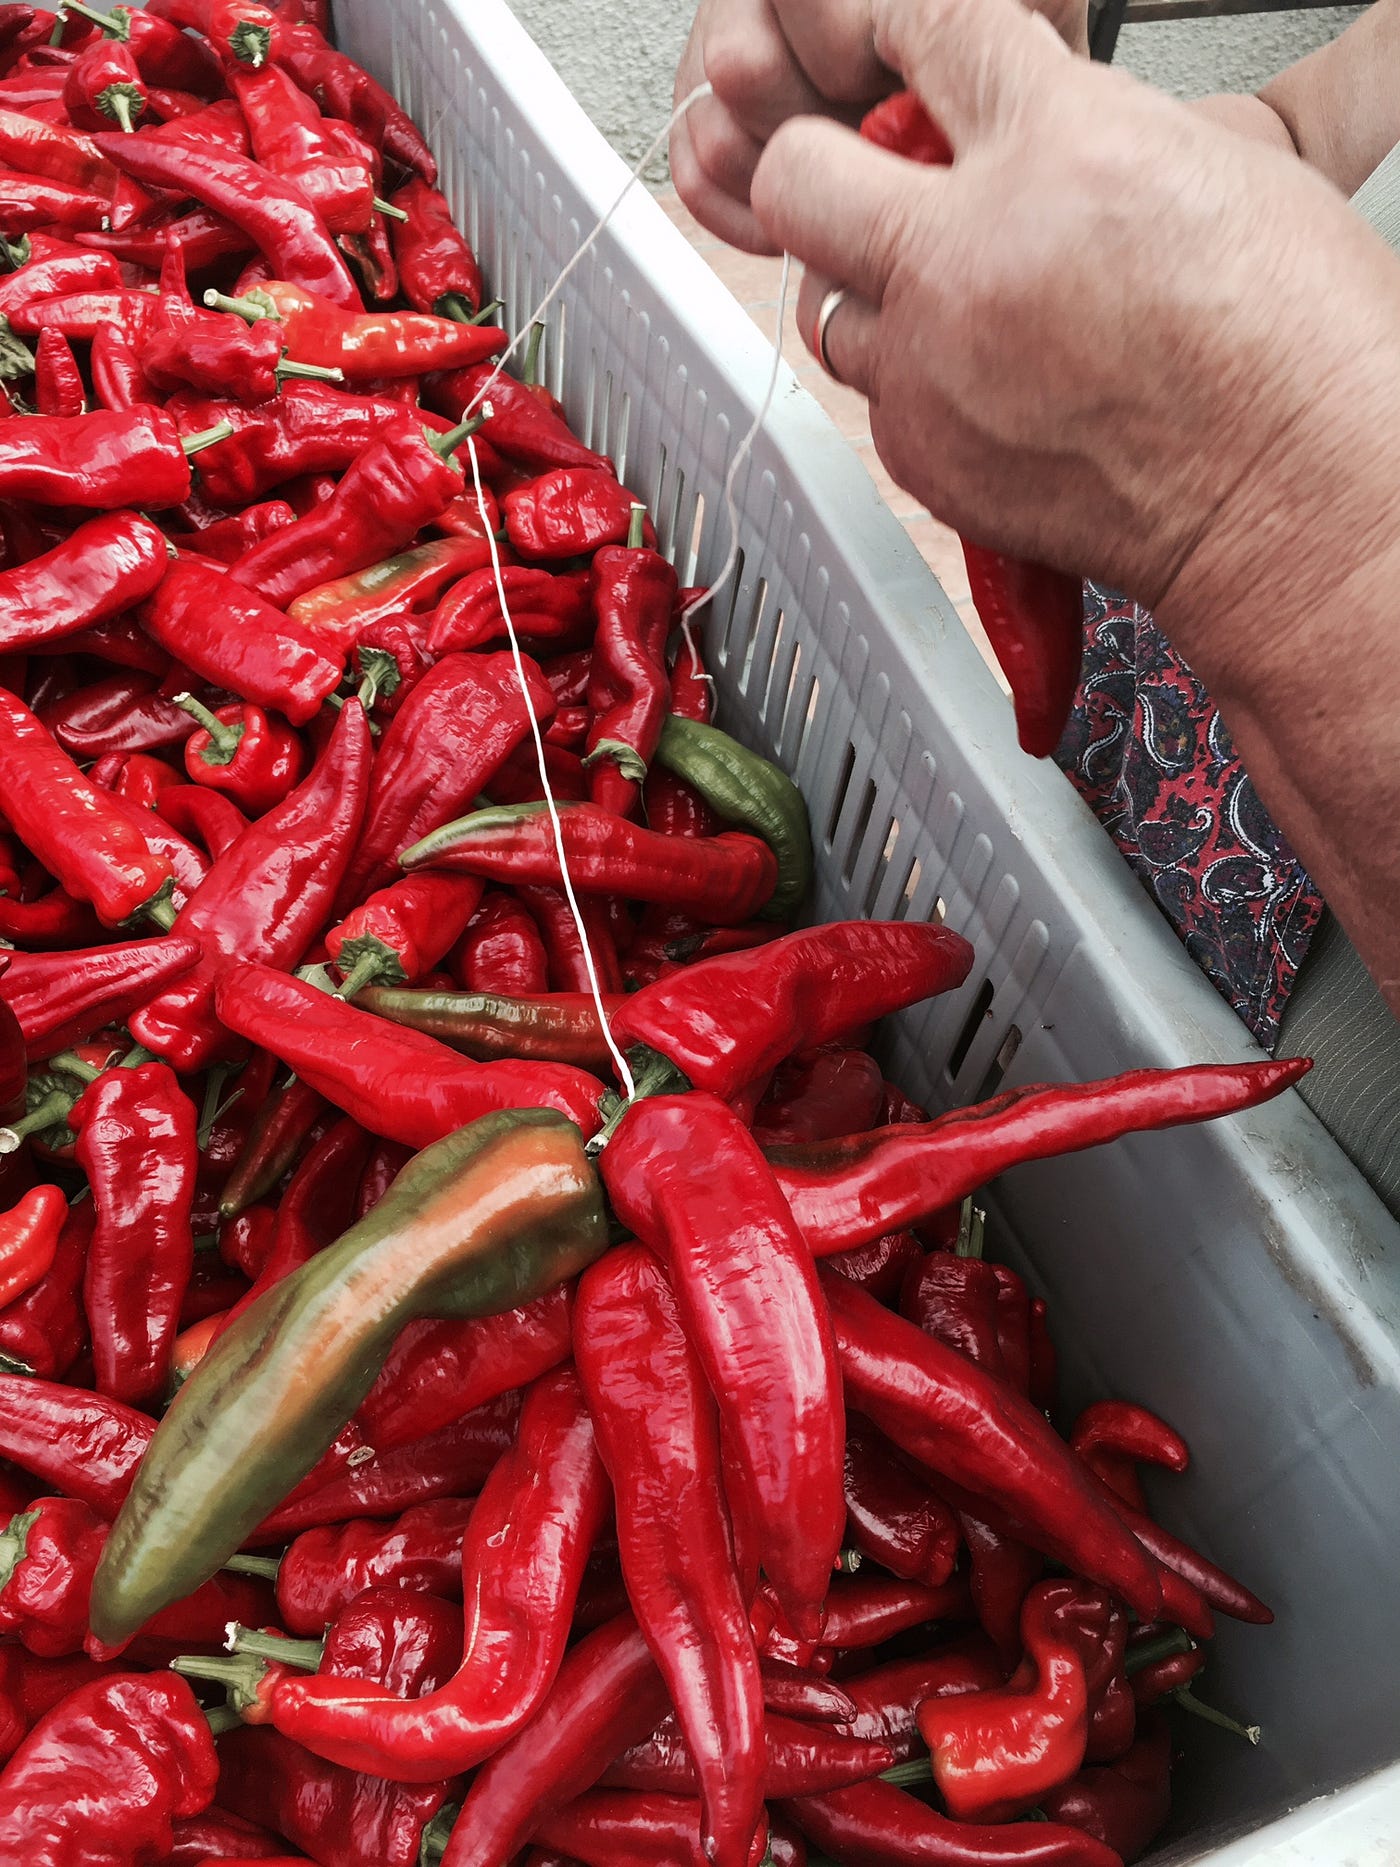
[(1111, 337)]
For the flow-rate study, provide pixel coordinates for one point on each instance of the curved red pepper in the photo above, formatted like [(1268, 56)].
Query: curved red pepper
[(543, 608), (891, 1516), (882, 1826), (502, 951), (332, 166), (1113, 1436), (29, 1235), (324, 1570), (437, 269), (104, 86), (127, 457), (58, 382), (61, 998), (634, 594), (401, 932), (369, 346)]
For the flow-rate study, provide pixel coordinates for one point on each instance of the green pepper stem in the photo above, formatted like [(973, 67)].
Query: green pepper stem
[(652, 1075), (72, 1065), (123, 103), (14, 1541), (109, 23), (909, 1775), (972, 1225), (224, 738), (455, 306), (1164, 1647), (218, 1669), (212, 1108), (55, 1107), (221, 1718), (636, 527), (388, 210), (447, 444), (162, 911), (848, 1561), (249, 308), (11, 1364), (306, 1655), (250, 43), (531, 367), (288, 368), (1186, 1698), (210, 437), (135, 1057), (436, 1836), (16, 253), (366, 969), (264, 1566), (487, 311)]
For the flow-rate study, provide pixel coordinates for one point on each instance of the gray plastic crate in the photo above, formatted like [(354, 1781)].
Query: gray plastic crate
[(1240, 1277)]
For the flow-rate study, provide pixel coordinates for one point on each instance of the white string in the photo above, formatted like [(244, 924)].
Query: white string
[(624, 1073), (653, 149)]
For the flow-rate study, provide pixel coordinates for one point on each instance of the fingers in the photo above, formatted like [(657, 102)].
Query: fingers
[(748, 59), (848, 336), (834, 43), (729, 218), (839, 204), (977, 65)]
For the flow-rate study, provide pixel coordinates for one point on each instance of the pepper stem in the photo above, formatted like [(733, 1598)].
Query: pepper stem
[(487, 311), (264, 1566), (447, 444), (379, 676), (235, 1675), (135, 1057), (303, 1654), (250, 43), (72, 1065), (1164, 1647), (436, 1836), (55, 1107), (909, 1775), (848, 1561), (253, 309), (458, 307), (533, 347), (288, 368), (212, 1107), (16, 253), (224, 739), (14, 1541), (221, 1718), (123, 103), (366, 969), (110, 24), (1186, 1698), (11, 1364), (210, 437), (636, 527), (388, 210), (162, 911), (652, 1075), (972, 1225)]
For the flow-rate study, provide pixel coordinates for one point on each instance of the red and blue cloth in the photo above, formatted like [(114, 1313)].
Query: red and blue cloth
[(1150, 755)]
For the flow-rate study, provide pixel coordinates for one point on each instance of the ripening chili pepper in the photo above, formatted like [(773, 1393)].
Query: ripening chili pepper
[(104, 86), (501, 952), (388, 493), (401, 932), (850, 1191), (275, 1138), (658, 1432), (324, 1570), (438, 271), (523, 1556), (357, 1821), (275, 215), (633, 593), (452, 1462), (396, 1082), (438, 1370), (836, 1092), (519, 426), (29, 1235), (208, 619), (61, 155), (240, 751), (525, 1211), (543, 607), (61, 998), (446, 741), (74, 829), (130, 457), (725, 878), (621, 1828), (58, 382), (800, 1760), (746, 791), (45, 1328), (346, 606), (82, 1444), (569, 512), (265, 898), (892, 1516), (365, 346), (1113, 1436), (979, 1435), (883, 1826), (214, 820), (1034, 616), (728, 1021), (103, 1775), (558, 1028), (29, 200), (686, 1177)]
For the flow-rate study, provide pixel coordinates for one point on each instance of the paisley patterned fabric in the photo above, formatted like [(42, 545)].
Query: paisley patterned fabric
[(1151, 757)]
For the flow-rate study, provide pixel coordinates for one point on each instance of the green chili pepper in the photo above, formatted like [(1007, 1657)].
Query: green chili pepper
[(479, 1223), (559, 1027), (744, 789)]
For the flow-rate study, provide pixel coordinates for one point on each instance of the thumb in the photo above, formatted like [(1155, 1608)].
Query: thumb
[(977, 65)]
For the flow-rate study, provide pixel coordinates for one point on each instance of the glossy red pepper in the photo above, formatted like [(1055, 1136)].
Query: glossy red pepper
[(28, 200), (128, 457), (367, 346), (238, 750), (324, 1570), (106, 1772), (800, 1760), (401, 932), (61, 998), (29, 1235), (634, 594), (847, 1192), (278, 1131), (219, 1837), (569, 512), (620, 1828), (30, 1687), (396, 1082), (837, 1092), (1123, 1804), (45, 1328), (135, 776), (729, 1021), (878, 1825), (543, 608), (331, 165), (437, 269), (104, 86), (892, 1516), (122, 713), (62, 155), (266, 898), (501, 951), (203, 237), (659, 1435), (520, 425), (185, 348), (58, 382), (215, 821), (226, 539), (887, 1697), (165, 55), (310, 428), (1113, 1436)]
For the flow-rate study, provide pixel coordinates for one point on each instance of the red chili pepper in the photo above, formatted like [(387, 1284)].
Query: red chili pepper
[(185, 348), (31, 1687), (366, 346), (80, 1443), (850, 1191), (107, 1771), (837, 1092), (166, 56), (1126, 1803), (1034, 616), (634, 595), (731, 1020), (227, 539), (123, 713), (1112, 1436), (401, 932), (29, 200), (520, 426), (240, 751), (445, 743), (275, 215), (104, 86), (134, 776), (275, 1138), (801, 1760), (58, 382), (618, 1828), (882, 1826), (1203, 1581), (310, 428), (131, 457), (347, 606), (75, 830), (60, 155), (204, 238), (266, 898), (29, 1235), (331, 165), (396, 1082), (687, 1178), (979, 1435), (543, 608), (659, 1435), (523, 1557), (569, 512), (217, 1836), (82, 315), (891, 1516), (61, 998), (388, 494), (726, 878), (45, 1328), (887, 1698), (216, 821), (118, 381), (325, 1570), (438, 271), (1001, 1573), (501, 951)]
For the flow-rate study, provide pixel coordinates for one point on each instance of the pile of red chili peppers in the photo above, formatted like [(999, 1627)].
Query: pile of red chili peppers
[(422, 1439)]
